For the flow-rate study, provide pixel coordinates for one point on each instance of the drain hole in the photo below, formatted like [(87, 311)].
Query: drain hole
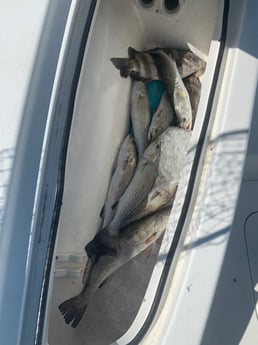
[(147, 3), (171, 5)]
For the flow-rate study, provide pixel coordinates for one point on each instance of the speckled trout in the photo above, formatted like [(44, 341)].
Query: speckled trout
[(106, 241), (140, 115), (134, 239), (193, 86), (159, 197), (162, 118), (176, 90), (125, 167)]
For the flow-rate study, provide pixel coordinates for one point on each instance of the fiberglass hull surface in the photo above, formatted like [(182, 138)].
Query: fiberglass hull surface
[(100, 122)]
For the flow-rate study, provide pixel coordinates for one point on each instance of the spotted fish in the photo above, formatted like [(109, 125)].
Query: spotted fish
[(133, 240), (162, 118), (159, 197), (106, 241), (176, 90), (193, 86), (125, 167), (140, 115)]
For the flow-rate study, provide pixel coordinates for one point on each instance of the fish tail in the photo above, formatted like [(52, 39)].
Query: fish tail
[(132, 52), (102, 244), (121, 64), (72, 310)]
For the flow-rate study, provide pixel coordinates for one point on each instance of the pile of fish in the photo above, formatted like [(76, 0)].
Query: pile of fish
[(142, 187)]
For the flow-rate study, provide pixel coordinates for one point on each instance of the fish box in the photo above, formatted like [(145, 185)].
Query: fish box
[(100, 122)]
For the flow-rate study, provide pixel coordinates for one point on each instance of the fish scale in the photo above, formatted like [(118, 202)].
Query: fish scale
[(159, 197)]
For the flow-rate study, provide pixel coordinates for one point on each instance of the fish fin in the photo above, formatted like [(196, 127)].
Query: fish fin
[(114, 206), (102, 244), (149, 251), (151, 238), (72, 310), (122, 65), (132, 52), (101, 214), (157, 193), (104, 282)]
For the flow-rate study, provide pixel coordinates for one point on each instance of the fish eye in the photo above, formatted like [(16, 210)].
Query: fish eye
[(157, 146), (184, 119)]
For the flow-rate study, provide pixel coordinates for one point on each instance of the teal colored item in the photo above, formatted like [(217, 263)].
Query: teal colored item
[(155, 90)]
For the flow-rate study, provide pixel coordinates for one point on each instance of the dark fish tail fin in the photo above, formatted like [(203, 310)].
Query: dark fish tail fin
[(102, 244), (132, 52), (121, 64), (72, 310)]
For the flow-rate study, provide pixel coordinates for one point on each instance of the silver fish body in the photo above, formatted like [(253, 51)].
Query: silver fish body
[(140, 115), (159, 197), (162, 118), (139, 66), (134, 240), (193, 86), (106, 241), (125, 167), (176, 90)]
